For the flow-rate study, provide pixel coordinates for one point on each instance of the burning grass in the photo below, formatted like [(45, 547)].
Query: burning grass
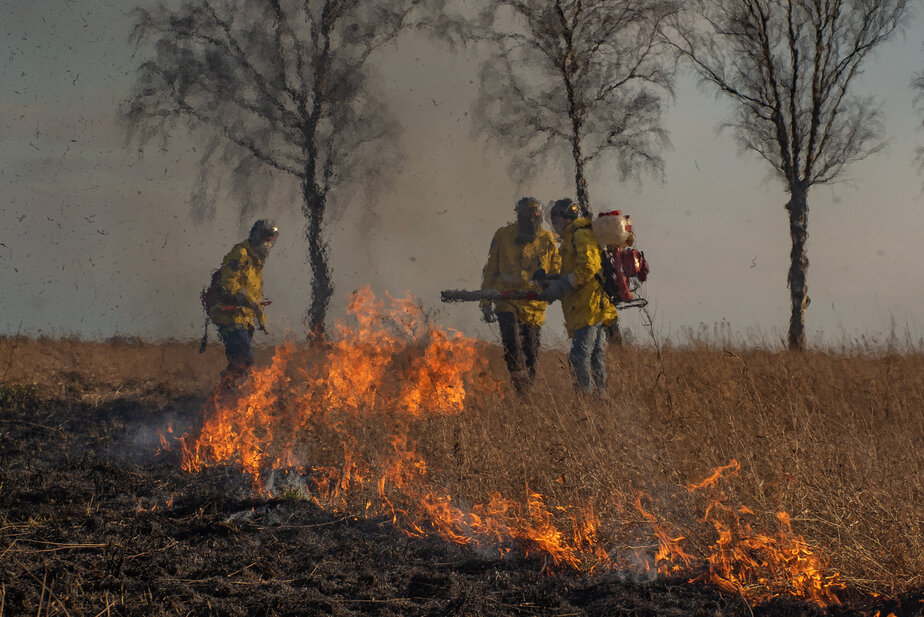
[(766, 474)]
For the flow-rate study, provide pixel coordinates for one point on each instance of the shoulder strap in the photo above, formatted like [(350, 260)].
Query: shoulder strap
[(586, 225)]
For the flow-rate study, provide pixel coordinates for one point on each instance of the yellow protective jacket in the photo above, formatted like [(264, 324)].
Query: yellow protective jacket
[(586, 304), (241, 283), (511, 266)]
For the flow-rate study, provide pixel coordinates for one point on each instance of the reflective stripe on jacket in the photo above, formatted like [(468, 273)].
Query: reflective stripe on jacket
[(241, 283), (511, 266), (586, 304)]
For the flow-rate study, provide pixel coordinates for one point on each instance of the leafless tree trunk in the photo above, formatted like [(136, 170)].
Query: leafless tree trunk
[(322, 288), (275, 87), (576, 109), (798, 269), (789, 66)]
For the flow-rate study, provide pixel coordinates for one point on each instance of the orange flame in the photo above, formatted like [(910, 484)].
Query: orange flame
[(261, 430), (761, 565), (670, 558), (393, 369)]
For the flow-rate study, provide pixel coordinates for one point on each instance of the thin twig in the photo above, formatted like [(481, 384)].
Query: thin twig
[(318, 565), (105, 610), (66, 544), (8, 549), (108, 606), (66, 547), (159, 550), (51, 594), (42, 596), (238, 571), (386, 600)]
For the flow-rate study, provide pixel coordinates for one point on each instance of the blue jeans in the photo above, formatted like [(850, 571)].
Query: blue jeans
[(587, 359)]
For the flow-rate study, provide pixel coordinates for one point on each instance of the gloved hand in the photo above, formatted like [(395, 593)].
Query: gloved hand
[(487, 314), (554, 289), (242, 299)]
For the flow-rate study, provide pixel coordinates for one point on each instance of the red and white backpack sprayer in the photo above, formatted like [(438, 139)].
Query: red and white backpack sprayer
[(621, 262)]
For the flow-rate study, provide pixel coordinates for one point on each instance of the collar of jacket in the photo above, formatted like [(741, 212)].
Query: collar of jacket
[(252, 252)]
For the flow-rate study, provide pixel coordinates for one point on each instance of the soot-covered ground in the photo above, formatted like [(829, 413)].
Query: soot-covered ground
[(93, 522)]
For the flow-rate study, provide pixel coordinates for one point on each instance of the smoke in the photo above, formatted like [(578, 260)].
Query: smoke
[(100, 240), (152, 438)]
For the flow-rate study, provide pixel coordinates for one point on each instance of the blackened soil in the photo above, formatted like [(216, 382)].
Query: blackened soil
[(93, 522)]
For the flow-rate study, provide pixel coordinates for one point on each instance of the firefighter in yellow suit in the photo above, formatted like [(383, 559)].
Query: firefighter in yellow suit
[(585, 305), (517, 251), (239, 308)]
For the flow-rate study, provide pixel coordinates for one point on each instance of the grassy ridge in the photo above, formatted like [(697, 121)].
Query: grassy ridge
[(837, 441)]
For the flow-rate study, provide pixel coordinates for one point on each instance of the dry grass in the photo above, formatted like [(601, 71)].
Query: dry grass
[(835, 440), (97, 371)]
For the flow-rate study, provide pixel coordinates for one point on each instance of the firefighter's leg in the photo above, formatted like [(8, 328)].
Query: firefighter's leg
[(582, 348), (598, 362), (238, 341), (513, 351), (511, 340), (529, 336)]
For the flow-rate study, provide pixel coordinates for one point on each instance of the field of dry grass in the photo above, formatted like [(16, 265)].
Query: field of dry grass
[(836, 441), (103, 370)]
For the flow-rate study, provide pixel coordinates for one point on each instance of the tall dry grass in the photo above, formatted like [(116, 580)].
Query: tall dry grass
[(835, 440), (97, 371)]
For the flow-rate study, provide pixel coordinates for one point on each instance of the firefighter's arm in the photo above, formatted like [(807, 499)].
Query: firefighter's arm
[(261, 320), (555, 288), (553, 265), (587, 258)]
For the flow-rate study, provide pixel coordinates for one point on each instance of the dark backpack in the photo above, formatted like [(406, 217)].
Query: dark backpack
[(210, 296)]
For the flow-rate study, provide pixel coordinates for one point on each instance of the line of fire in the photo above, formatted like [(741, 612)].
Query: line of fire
[(392, 375)]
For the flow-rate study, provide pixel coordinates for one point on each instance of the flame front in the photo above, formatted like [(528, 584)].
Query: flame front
[(761, 565), (391, 365), (394, 372)]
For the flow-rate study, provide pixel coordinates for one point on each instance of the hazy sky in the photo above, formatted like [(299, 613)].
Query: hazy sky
[(97, 240)]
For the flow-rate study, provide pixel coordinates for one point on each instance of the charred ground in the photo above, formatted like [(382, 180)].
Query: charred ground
[(93, 521), (88, 530)]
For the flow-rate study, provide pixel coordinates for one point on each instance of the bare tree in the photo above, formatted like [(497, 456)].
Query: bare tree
[(789, 65), (277, 89), (579, 77)]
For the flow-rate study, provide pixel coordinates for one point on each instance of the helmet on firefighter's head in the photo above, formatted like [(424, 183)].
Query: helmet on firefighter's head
[(263, 230), (528, 204), (565, 208)]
